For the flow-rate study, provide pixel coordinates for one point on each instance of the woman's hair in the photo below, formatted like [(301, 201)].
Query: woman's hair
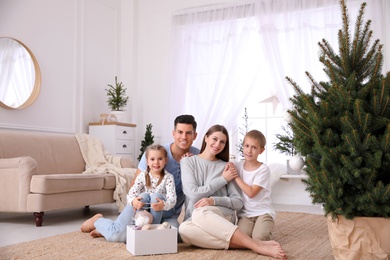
[(224, 154), (258, 136), (154, 147)]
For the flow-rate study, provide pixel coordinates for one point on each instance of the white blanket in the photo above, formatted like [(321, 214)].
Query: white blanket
[(99, 161)]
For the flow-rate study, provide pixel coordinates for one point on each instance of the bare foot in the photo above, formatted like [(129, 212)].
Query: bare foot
[(94, 233), (89, 224), (270, 248)]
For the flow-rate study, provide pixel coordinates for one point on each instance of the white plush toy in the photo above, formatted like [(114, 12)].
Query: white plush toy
[(143, 218)]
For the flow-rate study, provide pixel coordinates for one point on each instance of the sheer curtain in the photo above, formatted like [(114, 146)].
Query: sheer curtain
[(228, 56)]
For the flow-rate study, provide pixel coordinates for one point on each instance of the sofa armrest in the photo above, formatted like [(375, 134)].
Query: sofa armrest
[(127, 162), (15, 179)]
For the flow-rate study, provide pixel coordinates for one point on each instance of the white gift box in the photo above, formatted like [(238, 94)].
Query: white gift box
[(152, 241)]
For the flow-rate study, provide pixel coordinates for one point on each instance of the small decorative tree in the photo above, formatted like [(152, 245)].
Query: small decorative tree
[(117, 98), (148, 140), (243, 130), (285, 144)]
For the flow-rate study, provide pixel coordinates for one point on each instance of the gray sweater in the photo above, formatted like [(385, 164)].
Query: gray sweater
[(202, 179)]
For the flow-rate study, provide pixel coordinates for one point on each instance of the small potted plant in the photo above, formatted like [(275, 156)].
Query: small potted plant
[(117, 99), (285, 146)]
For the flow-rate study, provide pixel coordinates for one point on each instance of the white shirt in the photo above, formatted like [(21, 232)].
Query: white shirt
[(260, 204), (166, 188)]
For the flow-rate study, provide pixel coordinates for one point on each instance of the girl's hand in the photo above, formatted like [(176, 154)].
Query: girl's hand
[(204, 202), (230, 172), (137, 204), (158, 206)]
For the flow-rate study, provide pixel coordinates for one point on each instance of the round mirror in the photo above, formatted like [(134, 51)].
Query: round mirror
[(20, 77)]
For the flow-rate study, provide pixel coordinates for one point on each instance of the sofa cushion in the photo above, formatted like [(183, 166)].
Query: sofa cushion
[(60, 183)]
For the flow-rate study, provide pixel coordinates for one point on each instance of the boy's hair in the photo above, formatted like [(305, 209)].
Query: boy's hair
[(258, 136), (224, 154), (155, 147), (185, 119)]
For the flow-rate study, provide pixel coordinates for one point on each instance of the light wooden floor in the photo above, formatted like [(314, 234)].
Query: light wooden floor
[(17, 228)]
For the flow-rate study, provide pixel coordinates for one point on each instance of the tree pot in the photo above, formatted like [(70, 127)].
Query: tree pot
[(359, 238), (118, 115)]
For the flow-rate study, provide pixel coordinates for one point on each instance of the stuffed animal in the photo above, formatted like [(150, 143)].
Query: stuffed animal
[(164, 225), (143, 218)]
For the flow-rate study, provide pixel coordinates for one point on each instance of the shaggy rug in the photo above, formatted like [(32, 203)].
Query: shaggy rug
[(303, 236)]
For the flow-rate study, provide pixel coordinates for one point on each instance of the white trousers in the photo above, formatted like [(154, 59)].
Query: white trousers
[(208, 228)]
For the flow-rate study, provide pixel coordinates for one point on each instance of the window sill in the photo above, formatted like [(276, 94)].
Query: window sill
[(286, 177)]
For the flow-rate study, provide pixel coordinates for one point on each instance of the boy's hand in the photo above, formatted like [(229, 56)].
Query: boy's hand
[(230, 172)]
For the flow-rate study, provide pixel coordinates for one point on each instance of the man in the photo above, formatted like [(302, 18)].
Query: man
[(184, 134)]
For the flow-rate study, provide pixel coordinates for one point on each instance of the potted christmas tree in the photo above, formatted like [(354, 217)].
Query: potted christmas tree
[(117, 99), (342, 128)]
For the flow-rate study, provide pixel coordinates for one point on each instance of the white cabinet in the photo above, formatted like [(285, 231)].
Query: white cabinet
[(118, 138)]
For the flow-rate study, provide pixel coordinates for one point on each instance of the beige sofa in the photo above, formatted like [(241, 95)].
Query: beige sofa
[(43, 172)]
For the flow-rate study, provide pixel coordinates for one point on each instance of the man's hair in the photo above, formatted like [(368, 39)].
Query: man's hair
[(186, 119)]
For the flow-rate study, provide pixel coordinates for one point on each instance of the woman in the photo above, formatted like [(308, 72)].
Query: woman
[(212, 200)]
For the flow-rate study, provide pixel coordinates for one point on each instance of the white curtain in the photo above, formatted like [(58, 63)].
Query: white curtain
[(227, 56)]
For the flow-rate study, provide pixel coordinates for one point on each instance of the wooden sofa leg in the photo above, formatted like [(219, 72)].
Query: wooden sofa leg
[(38, 218)]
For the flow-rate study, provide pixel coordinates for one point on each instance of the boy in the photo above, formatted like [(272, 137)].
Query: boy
[(257, 216)]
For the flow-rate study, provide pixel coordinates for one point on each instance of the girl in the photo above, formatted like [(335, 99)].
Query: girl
[(212, 200), (154, 186)]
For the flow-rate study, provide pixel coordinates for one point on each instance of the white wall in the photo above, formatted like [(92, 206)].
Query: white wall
[(80, 47)]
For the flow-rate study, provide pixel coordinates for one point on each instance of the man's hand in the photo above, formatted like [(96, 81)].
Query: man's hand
[(187, 155)]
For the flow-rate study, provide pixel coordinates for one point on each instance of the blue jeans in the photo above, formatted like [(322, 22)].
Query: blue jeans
[(115, 230), (149, 199)]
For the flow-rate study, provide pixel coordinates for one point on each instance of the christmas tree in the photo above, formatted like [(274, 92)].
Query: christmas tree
[(342, 127), (148, 140)]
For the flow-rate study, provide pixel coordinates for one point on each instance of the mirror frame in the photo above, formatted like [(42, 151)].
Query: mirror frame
[(37, 84)]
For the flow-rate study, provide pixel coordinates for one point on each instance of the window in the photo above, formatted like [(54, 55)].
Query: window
[(236, 56)]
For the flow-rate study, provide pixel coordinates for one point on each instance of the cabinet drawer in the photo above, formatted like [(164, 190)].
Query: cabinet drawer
[(124, 133), (125, 147)]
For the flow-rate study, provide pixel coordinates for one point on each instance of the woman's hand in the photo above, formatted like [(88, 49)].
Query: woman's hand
[(204, 202), (230, 172), (137, 204), (158, 206)]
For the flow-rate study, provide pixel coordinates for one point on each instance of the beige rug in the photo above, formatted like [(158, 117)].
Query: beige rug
[(303, 236)]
